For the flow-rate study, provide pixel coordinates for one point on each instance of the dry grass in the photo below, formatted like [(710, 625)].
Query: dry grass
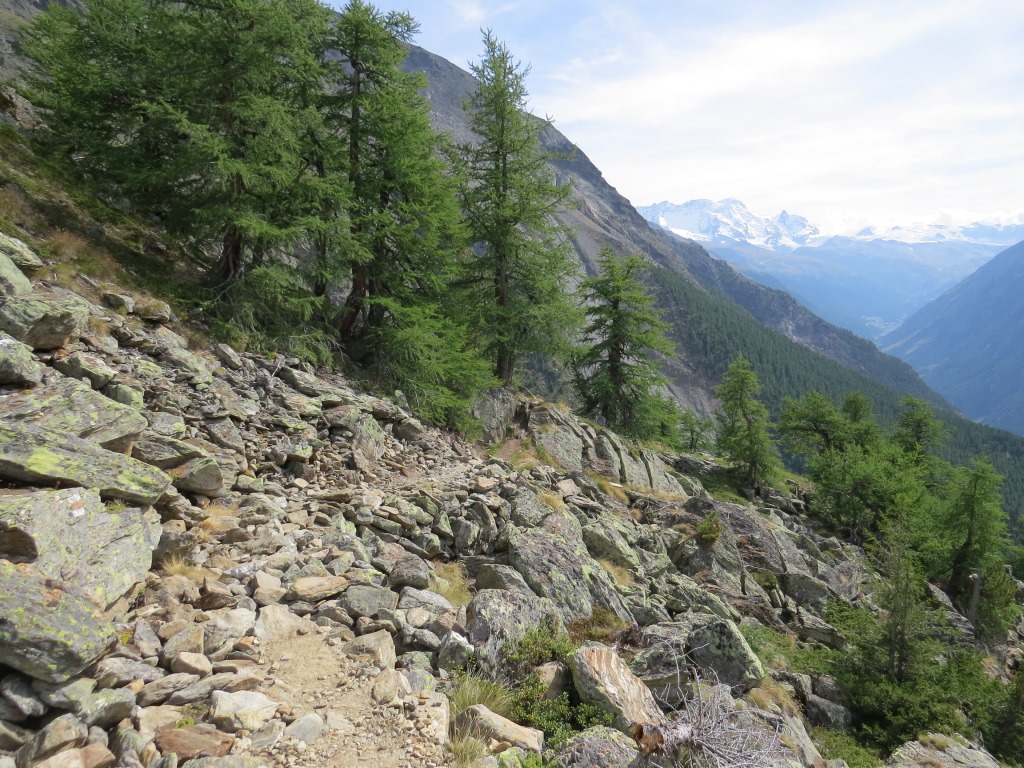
[(220, 518), (467, 750), (552, 499), (179, 565), (602, 625), (64, 245), (608, 488), (470, 690), (619, 574), (771, 696), (451, 582)]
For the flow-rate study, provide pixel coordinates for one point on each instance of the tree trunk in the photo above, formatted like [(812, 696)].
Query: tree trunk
[(231, 265)]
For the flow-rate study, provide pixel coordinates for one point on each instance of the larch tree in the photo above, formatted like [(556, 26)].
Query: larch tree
[(518, 279), (742, 436), (617, 372)]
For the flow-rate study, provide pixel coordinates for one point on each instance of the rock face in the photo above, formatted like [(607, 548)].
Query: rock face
[(603, 679), (70, 535), (713, 644), (50, 631), (33, 455), (937, 751), (498, 618)]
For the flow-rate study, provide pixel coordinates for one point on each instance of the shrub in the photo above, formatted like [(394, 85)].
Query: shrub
[(709, 529), (602, 625), (842, 745)]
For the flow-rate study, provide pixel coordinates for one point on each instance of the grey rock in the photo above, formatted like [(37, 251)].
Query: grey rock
[(158, 691), (67, 696), (44, 320), (603, 680), (598, 747), (497, 619), (72, 408), (17, 690), (18, 365), (105, 708), (23, 257), (65, 732), (455, 652), (71, 535), (12, 280), (82, 365), (243, 710), (306, 729), (34, 637), (410, 572), (117, 672)]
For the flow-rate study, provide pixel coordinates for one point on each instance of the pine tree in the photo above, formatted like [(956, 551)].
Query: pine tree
[(616, 371), (742, 436), (518, 279)]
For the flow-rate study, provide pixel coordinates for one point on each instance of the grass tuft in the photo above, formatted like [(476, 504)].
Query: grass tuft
[(451, 582), (470, 690), (620, 575)]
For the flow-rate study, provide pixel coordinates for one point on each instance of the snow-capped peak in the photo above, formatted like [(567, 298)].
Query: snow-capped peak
[(729, 220)]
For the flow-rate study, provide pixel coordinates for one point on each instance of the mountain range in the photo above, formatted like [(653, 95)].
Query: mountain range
[(969, 342), (867, 282)]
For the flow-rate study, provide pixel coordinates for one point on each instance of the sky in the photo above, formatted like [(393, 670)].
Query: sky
[(844, 112)]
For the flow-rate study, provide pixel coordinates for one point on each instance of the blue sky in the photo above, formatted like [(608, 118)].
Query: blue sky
[(841, 111)]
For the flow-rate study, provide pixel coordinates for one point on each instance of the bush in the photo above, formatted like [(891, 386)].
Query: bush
[(709, 529), (842, 745)]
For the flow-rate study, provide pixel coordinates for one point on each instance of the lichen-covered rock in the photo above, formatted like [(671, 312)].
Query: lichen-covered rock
[(82, 365), (23, 257), (598, 747), (71, 407), (498, 618), (12, 279), (555, 563), (34, 455), (18, 365), (50, 631), (938, 751), (713, 644), (70, 535), (559, 436), (44, 320), (603, 679), (494, 409)]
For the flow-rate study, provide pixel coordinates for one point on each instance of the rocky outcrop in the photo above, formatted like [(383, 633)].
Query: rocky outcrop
[(938, 751), (71, 536)]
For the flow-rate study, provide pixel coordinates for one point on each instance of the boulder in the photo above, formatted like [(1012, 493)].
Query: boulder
[(713, 644), (496, 619), (191, 468), (938, 751), (72, 408), (82, 365), (12, 280), (51, 631), (486, 725), (71, 535), (44, 320), (65, 732), (18, 365), (598, 747), (31, 454), (242, 710), (376, 647), (23, 257), (494, 409), (603, 680)]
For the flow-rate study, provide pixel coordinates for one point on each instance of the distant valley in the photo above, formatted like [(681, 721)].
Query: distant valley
[(868, 282)]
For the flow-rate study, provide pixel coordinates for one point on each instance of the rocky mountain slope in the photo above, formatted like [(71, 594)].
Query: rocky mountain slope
[(219, 560), (969, 343)]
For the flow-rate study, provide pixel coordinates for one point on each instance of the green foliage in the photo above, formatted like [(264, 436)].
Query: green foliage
[(709, 529), (614, 370), (778, 650), (842, 745), (517, 280), (742, 436), (561, 717), (602, 625), (467, 690), (696, 433)]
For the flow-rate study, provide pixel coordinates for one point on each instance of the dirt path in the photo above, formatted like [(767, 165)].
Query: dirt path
[(306, 674)]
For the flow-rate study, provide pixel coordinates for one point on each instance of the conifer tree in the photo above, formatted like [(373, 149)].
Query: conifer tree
[(616, 371), (518, 279), (742, 436)]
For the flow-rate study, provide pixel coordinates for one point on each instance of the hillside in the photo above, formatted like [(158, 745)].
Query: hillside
[(202, 523), (967, 343)]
